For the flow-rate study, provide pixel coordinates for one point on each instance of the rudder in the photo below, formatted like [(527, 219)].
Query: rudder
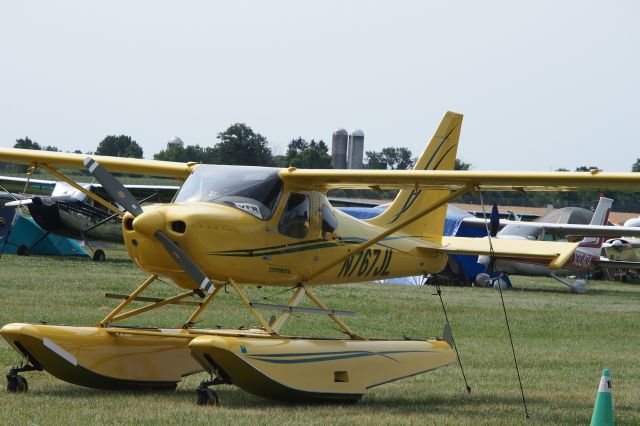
[(600, 218), (440, 154)]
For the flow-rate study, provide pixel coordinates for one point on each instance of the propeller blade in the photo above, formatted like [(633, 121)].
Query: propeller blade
[(186, 263), (113, 187), (494, 222)]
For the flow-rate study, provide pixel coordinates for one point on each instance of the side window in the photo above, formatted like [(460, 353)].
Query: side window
[(295, 219), (329, 220)]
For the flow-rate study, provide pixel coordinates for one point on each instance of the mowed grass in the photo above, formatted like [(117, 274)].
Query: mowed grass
[(562, 340)]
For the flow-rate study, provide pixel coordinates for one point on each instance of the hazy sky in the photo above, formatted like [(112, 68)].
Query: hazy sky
[(542, 84)]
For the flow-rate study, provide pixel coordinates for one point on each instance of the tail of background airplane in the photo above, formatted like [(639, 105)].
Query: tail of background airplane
[(440, 154), (600, 217)]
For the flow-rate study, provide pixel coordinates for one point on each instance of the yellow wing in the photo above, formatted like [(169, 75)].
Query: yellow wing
[(557, 252), (115, 164), (442, 179), (330, 179)]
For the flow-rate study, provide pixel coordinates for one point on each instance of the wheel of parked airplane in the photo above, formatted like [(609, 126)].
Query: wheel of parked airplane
[(22, 250), (99, 256), (16, 383), (207, 396), (483, 280)]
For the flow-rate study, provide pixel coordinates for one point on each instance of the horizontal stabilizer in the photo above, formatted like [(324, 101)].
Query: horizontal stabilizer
[(558, 253)]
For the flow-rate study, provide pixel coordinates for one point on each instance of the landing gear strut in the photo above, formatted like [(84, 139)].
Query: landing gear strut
[(208, 396), (17, 383)]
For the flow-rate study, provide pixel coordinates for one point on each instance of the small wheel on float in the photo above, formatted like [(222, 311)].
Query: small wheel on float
[(207, 396), (16, 383), (99, 256)]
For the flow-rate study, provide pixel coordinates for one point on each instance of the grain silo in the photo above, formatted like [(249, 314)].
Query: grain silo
[(339, 149), (356, 149), (175, 142)]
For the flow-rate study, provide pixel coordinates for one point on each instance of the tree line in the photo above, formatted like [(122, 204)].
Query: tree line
[(239, 144)]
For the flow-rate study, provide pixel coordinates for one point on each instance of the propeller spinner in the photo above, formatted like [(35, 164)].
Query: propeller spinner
[(149, 223)]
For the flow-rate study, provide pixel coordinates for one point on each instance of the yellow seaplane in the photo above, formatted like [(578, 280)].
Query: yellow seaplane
[(240, 226)]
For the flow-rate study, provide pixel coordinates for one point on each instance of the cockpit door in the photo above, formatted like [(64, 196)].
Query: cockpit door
[(294, 235)]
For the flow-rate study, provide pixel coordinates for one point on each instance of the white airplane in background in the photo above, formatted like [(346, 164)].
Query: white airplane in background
[(587, 255), (623, 253), (61, 209)]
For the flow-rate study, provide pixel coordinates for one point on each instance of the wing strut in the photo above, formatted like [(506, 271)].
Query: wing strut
[(448, 336), (506, 318), (31, 170), (128, 300), (394, 228)]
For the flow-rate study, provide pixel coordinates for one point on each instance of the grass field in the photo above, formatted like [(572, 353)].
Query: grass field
[(563, 341)]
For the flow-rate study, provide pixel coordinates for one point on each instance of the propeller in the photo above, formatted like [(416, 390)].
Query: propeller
[(494, 227), (490, 277), (124, 197), (186, 263), (617, 245), (494, 221), (113, 187)]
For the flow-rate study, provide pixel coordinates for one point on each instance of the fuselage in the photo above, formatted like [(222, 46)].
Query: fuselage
[(263, 232), (75, 219)]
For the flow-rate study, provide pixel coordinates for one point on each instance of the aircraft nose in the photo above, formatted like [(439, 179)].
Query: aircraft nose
[(149, 222)]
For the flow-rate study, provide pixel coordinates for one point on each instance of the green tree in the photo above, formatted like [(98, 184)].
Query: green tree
[(306, 155), (239, 144), (461, 165), (390, 158), (185, 154), (119, 146), (636, 166), (26, 143), (375, 160)]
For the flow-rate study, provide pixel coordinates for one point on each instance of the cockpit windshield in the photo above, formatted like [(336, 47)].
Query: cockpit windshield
[(528, 231), (254, 190)]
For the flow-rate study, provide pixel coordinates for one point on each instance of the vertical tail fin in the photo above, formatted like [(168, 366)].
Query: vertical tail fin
[(440, 154), (600, 217)]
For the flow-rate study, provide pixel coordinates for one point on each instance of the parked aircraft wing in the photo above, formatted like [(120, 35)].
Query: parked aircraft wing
[(564, 230), (28, 201), (556, 252), (35, 186), (47, 187), (617, 264)]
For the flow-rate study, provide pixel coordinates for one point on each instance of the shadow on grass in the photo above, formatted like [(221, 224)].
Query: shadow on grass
[(478, 407), (81, 261), (233, 398), (599, 292)]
